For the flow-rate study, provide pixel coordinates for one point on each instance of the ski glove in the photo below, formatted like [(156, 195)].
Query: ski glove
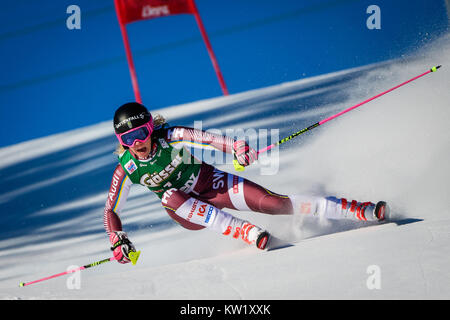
[(243, 153), (121, 246)]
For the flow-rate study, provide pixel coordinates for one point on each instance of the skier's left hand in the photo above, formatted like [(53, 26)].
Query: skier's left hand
[(243, 153)]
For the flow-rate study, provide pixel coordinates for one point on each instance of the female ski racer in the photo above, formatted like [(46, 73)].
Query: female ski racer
[(193, 192)]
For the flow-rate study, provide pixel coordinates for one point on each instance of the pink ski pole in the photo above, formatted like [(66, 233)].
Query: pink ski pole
[(23, 284), (133, 255), (238, 167)]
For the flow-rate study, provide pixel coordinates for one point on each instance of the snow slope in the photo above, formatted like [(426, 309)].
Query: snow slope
[(395, 148)]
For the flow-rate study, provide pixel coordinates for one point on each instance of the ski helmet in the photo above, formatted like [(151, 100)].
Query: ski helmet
[(131, 115)]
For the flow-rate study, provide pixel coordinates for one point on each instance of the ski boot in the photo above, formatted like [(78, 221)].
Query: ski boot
[(381, 211), (354, 210), (251, 234)]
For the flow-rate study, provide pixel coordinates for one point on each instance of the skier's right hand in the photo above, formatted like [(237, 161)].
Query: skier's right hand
[(244, 154), (121, 246)]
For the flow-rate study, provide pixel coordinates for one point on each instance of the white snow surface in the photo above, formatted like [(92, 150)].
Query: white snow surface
[(395, 148)]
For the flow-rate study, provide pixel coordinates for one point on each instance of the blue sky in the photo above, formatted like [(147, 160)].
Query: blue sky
[(54, 79)]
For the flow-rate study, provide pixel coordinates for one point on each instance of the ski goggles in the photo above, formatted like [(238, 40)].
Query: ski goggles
[(141, 134)]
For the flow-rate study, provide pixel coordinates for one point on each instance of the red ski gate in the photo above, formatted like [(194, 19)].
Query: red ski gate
[(135, 10)]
